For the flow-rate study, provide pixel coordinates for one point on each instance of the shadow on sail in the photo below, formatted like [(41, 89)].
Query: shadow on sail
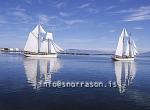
[(40, 71), (125, 73)]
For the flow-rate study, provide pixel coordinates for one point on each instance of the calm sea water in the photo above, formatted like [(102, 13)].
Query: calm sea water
[(22, 79)]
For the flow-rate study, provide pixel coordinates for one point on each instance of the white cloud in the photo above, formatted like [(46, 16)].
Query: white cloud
[(20, 13), (18, 9), (64, 14), (2, 20), (25, 17), (112, 31), (138, 28), (40, 1), (31, 1), (28, 1), (126, 11), (57, 22), (48, 20), (43, 19), (138, 14), (110, 7), (85, 5), (74, 21), (93, 11), (122, 0), (89, 9), (60, 4)]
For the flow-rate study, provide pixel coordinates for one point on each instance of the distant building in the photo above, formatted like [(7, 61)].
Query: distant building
[(11, 49), (1, 49), (6, 48), (16, 49)]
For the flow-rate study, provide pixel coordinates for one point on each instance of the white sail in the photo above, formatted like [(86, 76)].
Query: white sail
[(41, 29), (127, 49), (38, 30), (125, 33), (132, 52), (119, 50), (58, 48), (32, 43), (49, 36), (134, 48), (44, 46), (35, 31), (120, 47), (135, 52), (52, 48)]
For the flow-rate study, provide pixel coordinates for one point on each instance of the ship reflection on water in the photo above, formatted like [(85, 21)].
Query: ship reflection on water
[(23, 83), (40, 71), (125, 73)]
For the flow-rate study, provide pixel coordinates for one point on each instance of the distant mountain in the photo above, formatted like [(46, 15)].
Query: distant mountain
[(87, 52), (145, 54)]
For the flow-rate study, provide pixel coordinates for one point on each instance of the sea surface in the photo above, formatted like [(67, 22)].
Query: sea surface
[(26, 84)]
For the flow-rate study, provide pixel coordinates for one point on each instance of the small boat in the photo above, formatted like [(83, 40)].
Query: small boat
[(126, 49), (41, 44)]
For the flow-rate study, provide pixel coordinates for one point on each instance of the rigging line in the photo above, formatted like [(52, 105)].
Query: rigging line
[(33, 34), (55, 46)]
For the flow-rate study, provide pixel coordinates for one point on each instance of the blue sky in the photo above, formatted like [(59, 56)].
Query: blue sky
[(80, 24)]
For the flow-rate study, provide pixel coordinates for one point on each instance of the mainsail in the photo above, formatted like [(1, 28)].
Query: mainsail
[(41, 41), (49, 35), (127, 49), (44, 46), (134, 48), (120, 47), (126, 46), (32, 43)]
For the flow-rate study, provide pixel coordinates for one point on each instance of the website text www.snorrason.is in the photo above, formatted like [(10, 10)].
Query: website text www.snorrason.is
[(79, 84)]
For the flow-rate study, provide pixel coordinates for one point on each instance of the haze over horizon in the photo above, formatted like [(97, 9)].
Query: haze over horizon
[(86, 24)]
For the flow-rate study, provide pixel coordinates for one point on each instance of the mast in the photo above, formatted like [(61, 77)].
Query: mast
[(48, 45), (123, 53), (130, 50), (38, 38)]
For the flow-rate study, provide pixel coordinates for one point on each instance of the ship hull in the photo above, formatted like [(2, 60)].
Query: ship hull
[(41, 56), (122, 59)]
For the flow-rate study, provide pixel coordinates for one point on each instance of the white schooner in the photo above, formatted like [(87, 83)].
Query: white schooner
[(126, 49), (41, 44)]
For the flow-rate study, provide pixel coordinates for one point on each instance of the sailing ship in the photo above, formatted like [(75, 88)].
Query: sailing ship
[(41, 44), (39, 72), (126, 49), (125, 73)]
